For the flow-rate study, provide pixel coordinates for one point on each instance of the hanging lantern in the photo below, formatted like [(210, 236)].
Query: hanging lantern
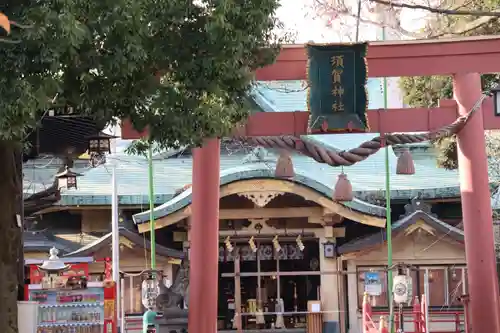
[(284, 166), (405, 165), (150, 288), (100, 143), (343, 189), (67, 179), (330, 250)]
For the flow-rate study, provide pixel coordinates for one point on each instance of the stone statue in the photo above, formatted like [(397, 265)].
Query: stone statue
[(173, 297), (169, 301)]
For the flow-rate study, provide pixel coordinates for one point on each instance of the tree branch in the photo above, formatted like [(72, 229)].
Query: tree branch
[(325, 7), (437, 10), (10, 41), (20, 26)]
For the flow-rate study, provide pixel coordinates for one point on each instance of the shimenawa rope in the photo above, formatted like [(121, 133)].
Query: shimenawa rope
[(333, 157)]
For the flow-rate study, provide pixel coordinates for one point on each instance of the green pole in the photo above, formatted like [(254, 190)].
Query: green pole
[(149, 317), (388, 216), (151, 206)]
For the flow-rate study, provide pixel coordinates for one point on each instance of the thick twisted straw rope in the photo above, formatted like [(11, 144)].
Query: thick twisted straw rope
[(346, 158)]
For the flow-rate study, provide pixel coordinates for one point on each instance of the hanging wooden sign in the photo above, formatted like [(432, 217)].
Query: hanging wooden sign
[(337, 97)]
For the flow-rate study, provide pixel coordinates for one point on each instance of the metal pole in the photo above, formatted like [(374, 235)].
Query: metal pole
[(358, 20), (122, 305), (388, 216), (149, 317), (115, 235), (401, 319), (115, 231), (426, 295), (151, 206)]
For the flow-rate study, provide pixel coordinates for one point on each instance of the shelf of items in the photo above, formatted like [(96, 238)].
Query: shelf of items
[(70, 311)]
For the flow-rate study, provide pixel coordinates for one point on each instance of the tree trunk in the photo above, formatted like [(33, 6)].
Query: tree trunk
[(11, 247)]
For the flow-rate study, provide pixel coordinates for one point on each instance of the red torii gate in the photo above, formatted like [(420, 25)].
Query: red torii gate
[(463, 58)]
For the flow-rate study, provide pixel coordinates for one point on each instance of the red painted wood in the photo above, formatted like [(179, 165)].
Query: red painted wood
[(36, 275), (128, 131), (390, 121), (408, 58), (110, 310), (204, 239), (476, 210), (26, 292), (404, 58)]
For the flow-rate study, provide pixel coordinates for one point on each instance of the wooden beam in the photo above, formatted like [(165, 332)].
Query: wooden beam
[(380, 120), (269, 213), (278, 185), (331, 232), (291, 273), (335, 232), (245, 213), (402, 58), (83, 208)]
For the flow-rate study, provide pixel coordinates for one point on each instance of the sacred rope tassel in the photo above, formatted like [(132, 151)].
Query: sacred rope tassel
[(284, 166), (343, 189), (405, 164)]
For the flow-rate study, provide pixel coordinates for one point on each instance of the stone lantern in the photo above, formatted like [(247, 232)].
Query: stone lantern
[(53, 266)]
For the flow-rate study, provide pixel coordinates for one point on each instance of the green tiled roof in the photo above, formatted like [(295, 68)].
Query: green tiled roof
[(170, 174), (286, 96), (367, 177)]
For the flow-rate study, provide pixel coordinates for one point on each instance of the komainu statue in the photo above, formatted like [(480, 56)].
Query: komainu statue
[(170, 302)]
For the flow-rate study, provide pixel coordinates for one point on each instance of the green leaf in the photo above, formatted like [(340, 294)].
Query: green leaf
[(102, 58)]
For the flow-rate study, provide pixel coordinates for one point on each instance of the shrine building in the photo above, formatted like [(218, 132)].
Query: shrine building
[(283, 241)]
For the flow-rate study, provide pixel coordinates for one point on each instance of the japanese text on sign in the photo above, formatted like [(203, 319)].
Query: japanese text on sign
[(338, 89)]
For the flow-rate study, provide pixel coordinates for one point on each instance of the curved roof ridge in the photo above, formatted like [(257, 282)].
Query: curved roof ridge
[(130, 235), (43, 241), (256, 171), (261, 100), (415, 211)]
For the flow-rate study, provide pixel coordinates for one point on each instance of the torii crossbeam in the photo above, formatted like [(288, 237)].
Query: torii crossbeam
[(464, 59)]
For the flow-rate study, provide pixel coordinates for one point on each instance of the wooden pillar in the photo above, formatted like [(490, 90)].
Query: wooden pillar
[(329, 291), (237, 294), (204, 239), (314, 319), (476, 209)]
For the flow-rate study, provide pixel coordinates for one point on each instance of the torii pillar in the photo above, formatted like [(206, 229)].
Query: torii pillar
[(476, 209), (204, 239)]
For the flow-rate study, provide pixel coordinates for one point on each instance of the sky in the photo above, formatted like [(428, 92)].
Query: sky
[(298, 15)]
